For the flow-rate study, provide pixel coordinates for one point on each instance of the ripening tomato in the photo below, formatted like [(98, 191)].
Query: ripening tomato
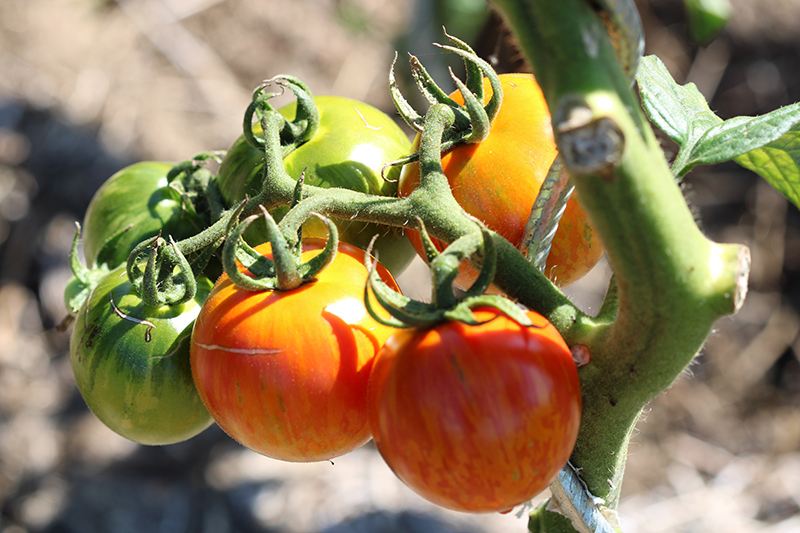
[(131, 362), (285, 373), (498, 180), (353, 142), (476, 418), (139, 198)]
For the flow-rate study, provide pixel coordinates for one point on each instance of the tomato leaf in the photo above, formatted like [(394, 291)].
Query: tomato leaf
[(680, 111), (778, 162), (766, 144)]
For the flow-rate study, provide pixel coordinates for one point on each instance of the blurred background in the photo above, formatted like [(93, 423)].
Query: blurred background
[(88, 86)]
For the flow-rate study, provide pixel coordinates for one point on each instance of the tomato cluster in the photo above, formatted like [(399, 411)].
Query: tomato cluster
[(475, 416)]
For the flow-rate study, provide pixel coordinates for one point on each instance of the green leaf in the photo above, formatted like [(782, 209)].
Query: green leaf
[(739, 135), (707, 18), (678, 110), (779, 163), (769, 145)]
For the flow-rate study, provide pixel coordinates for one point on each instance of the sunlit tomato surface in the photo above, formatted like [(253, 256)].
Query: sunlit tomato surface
[(286, 373), (498, 180), (131, 363), (353, 142), (476, 418), (138, 196)]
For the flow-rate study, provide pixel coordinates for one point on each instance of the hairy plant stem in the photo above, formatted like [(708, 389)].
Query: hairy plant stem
[(434, 204), (670, 282)]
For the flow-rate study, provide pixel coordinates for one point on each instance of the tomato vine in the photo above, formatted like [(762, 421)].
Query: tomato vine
[(670, 282)]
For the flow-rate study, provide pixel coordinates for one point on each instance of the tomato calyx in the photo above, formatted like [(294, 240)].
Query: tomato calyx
[(285, 271), (292, 133), (472, 120), (194, 182), (445, 304), (167, 278)]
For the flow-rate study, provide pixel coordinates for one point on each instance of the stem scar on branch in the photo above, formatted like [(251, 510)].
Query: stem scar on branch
[(588, 144)]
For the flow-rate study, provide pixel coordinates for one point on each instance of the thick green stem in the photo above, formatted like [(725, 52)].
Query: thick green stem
[(672, 283)]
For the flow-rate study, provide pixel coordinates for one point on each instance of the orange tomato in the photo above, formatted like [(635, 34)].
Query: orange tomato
[(498, 180), (285, 373), (476, 418)]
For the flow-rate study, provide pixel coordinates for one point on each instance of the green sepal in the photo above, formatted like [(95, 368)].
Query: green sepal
[(492, 107), (194, 186), (427, 85), (297, 197), (84, 279), (428, 246), (159, 284), (318, 263), (262, 268), (293, 133), (404, 108), (478, 118), (474, 77), (284, 271), (488, 267), (405, 312), (472, 120)]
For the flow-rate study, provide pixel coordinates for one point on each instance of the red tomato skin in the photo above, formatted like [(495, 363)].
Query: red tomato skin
[(286, 373), (476, 418), (498, 180)]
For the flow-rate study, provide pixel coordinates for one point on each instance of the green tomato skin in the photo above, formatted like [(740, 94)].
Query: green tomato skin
[(136, 376), (353, 142), (139, 195)]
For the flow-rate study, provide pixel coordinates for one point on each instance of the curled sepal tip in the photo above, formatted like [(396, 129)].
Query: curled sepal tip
[(427, 85), (293, 133), (493, 105), (474, 80), (404, 108), (284, 271), (318, 263), (306, 121), (235, 251), (84, 279), (405, 312), (167, 278), (488, 267), (478, 118)]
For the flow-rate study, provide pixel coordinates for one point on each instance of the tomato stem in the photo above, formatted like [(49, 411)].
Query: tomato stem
[(670, 282)]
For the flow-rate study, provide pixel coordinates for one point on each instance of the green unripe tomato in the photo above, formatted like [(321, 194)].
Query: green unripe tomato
[(140, 197), (353, 142), (131, 363)]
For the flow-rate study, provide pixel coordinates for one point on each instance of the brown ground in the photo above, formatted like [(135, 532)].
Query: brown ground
[(87, 86)]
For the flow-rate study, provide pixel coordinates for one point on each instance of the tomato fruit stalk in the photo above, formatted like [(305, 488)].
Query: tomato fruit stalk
[(353, 142), (285, 373)]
